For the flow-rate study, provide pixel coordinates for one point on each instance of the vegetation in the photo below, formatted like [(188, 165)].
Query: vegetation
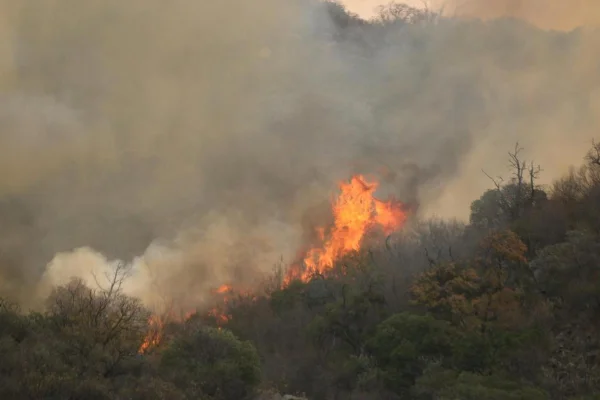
[(505, 307)]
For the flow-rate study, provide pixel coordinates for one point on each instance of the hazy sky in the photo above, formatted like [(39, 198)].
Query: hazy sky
[(366, 8), (547, 14)]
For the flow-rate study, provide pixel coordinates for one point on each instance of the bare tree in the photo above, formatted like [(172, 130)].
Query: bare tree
[(114, 280), (399, 12), (534, 174), (103, 327), (518, 194), (593, 156)]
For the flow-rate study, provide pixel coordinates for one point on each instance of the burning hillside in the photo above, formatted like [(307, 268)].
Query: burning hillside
[(217, 314), (155, 334), (356, 213)]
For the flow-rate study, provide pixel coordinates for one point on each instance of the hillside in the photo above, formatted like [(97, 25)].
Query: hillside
[(158, 162)]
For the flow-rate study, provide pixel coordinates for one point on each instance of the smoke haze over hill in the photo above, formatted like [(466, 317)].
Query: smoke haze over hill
[(200, 136), (546, 14)]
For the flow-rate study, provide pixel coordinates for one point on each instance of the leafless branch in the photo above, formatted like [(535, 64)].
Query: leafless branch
[(497, 181), (534, 174), (115, 279), (593, 156), (393, 11), (516, 165)]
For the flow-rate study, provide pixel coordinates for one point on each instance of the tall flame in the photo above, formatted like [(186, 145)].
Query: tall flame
[(356, 211)]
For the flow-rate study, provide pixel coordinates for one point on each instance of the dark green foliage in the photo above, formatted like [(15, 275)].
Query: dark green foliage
[(84, 346), (512, 314), (487, 212), (439, 383), (210, 363), (405, 344), (570, 272)]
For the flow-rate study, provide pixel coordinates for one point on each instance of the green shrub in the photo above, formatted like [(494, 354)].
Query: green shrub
[(210, 363)]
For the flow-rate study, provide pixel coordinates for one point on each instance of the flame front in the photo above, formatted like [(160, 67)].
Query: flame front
[(355, 212), (156, 323)]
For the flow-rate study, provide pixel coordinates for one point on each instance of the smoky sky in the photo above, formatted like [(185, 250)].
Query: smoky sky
[(210, 130)]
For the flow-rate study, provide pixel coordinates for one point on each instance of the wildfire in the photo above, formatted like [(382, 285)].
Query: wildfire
[(225, 291), (157, 323), (154, 335), (356, 211)]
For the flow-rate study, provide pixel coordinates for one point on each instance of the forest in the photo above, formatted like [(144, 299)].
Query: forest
[(504, 306)]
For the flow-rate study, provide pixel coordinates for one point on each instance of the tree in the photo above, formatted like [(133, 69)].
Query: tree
[(568, 273), (82, 346), (405, 344), (578, 194), (102, 329), (593, 156), (393, 13), (447, 290), (353, 311), (488, 212), (510, 201), (341, 17), (211, 363)]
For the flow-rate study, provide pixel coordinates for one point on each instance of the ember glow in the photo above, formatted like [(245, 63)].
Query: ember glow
[(356, 211)]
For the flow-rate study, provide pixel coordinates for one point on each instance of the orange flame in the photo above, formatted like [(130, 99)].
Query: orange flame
[(355, 212), (223, 289), (216, 312), (154, 335), (156, 326), (157, 323)]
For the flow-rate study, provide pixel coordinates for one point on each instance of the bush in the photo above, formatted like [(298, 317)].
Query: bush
[(210, 363)]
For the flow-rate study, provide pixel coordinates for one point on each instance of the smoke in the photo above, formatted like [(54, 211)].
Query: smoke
[(190, 139)]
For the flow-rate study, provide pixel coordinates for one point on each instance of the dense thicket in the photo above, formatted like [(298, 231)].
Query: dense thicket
[(505, 307)]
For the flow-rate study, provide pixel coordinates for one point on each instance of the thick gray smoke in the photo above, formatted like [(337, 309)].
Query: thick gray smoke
[(193, 138)]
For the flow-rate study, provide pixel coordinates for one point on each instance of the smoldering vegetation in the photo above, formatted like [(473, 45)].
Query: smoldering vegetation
[(195, 140)]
